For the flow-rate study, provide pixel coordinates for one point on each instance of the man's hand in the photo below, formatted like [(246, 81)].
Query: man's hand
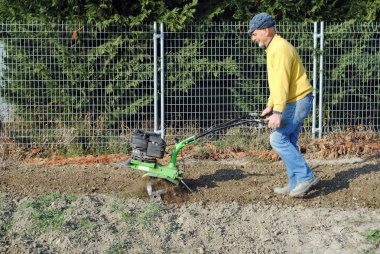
[(274, 121), (266, 112)]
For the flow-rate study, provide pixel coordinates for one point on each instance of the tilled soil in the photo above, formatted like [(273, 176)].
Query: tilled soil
[(104, 208), (345, 183)]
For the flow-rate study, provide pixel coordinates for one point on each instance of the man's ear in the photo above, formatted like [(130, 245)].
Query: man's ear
[(266, 30)]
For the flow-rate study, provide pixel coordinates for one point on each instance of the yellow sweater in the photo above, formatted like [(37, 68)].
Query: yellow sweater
[(286, 74)]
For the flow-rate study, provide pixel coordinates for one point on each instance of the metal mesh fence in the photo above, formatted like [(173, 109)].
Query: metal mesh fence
[(65, 84), (216, 73), (70, 84), (351, 76)]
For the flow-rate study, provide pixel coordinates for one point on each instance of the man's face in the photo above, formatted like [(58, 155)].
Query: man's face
[(260, 36)]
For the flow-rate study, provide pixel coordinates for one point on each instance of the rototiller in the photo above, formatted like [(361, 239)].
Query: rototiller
[(147, 147)]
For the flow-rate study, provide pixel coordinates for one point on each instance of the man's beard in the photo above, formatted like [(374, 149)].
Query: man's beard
[(261, 45)]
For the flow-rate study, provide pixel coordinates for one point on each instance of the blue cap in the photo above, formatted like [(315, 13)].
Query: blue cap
[(261, 21)]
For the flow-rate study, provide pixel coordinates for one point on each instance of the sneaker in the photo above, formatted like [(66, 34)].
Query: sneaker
[(301, 188), (282, 190)]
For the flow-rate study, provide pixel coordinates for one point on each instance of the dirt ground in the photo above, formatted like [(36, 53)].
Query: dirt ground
[(345, 182), (231, 209)]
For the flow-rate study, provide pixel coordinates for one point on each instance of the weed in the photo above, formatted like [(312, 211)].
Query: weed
[(203, 153), (250, 198), (71, 150), (112, 228), (89, 238), (79, 147), (373, 236), (52, 219), (242, 139), (5, 227), (152, 211), (115, 207), (70, 198), (193, 212), (45, 201), (172, 227), (85, 224), (81, 229), (46, 217), (170, 250), (120, 247), (112, 147), (129, 217), (373, 202), (366, 252), (6, 221)]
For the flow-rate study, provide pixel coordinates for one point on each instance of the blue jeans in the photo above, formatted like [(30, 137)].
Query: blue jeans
[(284, 140)]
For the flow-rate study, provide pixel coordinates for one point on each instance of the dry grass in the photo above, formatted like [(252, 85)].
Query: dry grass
[(234, 143), (352, 142)]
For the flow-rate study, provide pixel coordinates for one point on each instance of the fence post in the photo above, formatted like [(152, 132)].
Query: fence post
[(321, 80), (159, 35), (155, 36), (162, 81), (315, 42), (317, 36)]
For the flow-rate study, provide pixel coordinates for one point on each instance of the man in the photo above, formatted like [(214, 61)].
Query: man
[(289, 103)]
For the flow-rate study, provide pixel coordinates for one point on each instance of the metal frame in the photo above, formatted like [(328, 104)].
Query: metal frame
[(321, 37), (319, 88), (157, 118)]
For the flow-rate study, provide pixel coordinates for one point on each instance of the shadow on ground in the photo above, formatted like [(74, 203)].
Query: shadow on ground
[(221, 175), (342, 180)]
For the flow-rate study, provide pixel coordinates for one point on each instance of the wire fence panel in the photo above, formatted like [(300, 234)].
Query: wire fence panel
[(65, 84), (351, 77), (215, 73), (88, 86)]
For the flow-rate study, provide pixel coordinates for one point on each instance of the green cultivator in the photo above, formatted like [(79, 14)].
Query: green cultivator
[(147, 147)]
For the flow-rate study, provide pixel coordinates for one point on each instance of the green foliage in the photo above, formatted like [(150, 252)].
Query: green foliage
[(5, 227), (83, 225), (373, 236), (116, 207), (240, 139), (81, 70), (43, 202), (176, 14), (47, 217), (352, 76), (150, 214), (79, 77), (210, 60), (195, 67), (103, 13), (6, 220), (129, 217), (120, 247), (75, 74), (283, 10), (52, 219), (83, 66)]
